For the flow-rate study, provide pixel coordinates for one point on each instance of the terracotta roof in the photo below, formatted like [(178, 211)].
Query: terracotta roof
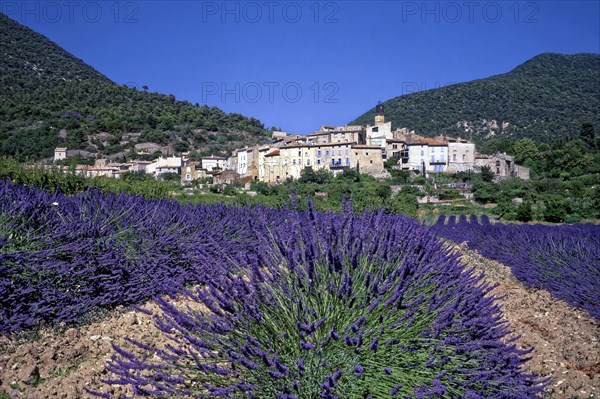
[(367, 147), (272, 153)]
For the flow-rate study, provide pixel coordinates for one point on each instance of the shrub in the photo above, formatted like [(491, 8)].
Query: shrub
[(365, 306)]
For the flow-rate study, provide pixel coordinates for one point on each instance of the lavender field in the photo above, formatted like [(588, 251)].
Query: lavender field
[(563, 259), (299, 304)]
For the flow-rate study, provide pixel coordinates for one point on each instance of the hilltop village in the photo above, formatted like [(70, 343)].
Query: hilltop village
[(332, 148)]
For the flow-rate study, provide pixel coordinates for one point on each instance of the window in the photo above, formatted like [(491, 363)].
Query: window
[(442, 149), (340, 151), (326, 153), (293, 162), (318, 162), (347, 151), (319, 153), (464, 157), (371, 161), (299, 153), (454, 157), (347, 161), (395, 146), (375, 129), (308, 162), (422, 152)]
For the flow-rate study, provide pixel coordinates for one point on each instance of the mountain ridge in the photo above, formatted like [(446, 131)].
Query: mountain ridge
[(546, 98)]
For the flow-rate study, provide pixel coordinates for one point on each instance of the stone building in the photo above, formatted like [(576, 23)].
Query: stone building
[(502, 165)]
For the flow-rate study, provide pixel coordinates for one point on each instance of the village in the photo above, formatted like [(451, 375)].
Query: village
[(331, 148)]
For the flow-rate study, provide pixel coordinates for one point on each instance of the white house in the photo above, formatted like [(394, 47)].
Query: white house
[(164, 165), (60, 153), (213, 162), (242, 162), (461, 154)]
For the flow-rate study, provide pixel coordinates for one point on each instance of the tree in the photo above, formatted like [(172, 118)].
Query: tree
[(486, 174), (555, 211), (524, 212), (485, 192), (525, 150), (181, 146), (587, 135), (321, 176)]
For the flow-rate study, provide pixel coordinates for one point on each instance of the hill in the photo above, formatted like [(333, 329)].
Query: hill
[(546, 98), (50, 98)]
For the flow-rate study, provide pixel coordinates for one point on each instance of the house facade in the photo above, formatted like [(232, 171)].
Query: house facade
[(213, 163), (502, 165)]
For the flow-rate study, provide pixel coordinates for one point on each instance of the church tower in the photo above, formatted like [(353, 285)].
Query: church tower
[(379, 114)]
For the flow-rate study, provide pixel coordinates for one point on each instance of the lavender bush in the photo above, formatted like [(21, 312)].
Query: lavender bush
[(343, 306), (563, 259)]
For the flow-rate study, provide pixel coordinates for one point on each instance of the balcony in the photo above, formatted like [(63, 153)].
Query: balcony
[(337, 165)]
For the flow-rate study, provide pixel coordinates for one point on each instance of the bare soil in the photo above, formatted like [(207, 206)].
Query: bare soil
[(566, 344)]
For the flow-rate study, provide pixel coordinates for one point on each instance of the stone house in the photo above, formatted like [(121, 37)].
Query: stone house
[(502, 165)]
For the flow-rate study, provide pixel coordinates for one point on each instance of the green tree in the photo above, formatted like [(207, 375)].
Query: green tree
[(486, 174), (309, 175), (485, 192), (524, 212), (181, 146), (587, 135), (556, 210), (526, 150)]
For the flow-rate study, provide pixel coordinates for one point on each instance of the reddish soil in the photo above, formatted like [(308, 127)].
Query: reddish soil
[(60, 365)]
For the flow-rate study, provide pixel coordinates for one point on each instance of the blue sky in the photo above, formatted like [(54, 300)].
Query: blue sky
[(298, 65)]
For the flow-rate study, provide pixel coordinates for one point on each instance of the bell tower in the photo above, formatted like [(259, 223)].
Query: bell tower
[(379, 114)]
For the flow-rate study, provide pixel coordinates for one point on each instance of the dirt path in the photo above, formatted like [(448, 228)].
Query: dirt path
[(566, 339), (566, 342)]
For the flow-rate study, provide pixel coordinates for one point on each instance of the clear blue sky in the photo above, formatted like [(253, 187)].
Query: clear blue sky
[(299, 65)]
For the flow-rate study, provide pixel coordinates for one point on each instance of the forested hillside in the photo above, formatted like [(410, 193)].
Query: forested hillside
[(546, 98), (48, 98)]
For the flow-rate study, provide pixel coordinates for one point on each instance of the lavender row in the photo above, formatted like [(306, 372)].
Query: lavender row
[(342, 306), (62, 257), (563, 259)]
